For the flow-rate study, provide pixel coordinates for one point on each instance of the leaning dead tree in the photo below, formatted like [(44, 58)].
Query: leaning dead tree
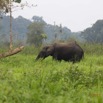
[(6, 5), (11, 52)]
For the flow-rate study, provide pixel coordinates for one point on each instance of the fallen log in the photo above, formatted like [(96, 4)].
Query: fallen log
[(11, 52)]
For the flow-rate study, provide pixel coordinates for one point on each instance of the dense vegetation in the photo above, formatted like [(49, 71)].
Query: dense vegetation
[(24, 80), (20, 29), (94, 34)]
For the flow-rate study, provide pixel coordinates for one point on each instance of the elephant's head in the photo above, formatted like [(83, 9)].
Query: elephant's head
[(45, 52)]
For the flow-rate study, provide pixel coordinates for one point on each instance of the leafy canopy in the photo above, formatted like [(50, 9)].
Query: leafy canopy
[(4, 4), (35, 33), (94, 34)]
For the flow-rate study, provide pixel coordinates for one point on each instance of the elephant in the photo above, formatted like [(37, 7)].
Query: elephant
[(62, 51)]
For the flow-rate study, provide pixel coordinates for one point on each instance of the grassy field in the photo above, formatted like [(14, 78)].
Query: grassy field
[(24, 80)]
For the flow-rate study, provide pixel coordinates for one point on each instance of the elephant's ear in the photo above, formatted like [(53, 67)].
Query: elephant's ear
[(50, 50), (47, 48), (54, 46)]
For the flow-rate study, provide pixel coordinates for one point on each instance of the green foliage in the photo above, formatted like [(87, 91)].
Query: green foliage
[(44, 36), (18, 1), (35, 31), (95, 33), (4, 4), (20, 24), (93, 48), (24, 80)]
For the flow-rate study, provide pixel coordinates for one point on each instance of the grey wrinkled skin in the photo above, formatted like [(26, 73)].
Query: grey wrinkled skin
[(62, 51)]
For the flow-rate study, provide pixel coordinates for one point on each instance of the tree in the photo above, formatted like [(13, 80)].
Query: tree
[(35, 31), (94, 34), (5, 5), (44, 37)]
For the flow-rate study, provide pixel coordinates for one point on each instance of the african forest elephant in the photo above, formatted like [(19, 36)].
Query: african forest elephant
[(62, 51)]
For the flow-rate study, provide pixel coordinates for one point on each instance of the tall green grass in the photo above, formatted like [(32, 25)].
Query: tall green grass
[(24, 80)]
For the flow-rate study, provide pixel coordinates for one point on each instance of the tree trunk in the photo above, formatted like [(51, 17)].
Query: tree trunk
[(11, 52)]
